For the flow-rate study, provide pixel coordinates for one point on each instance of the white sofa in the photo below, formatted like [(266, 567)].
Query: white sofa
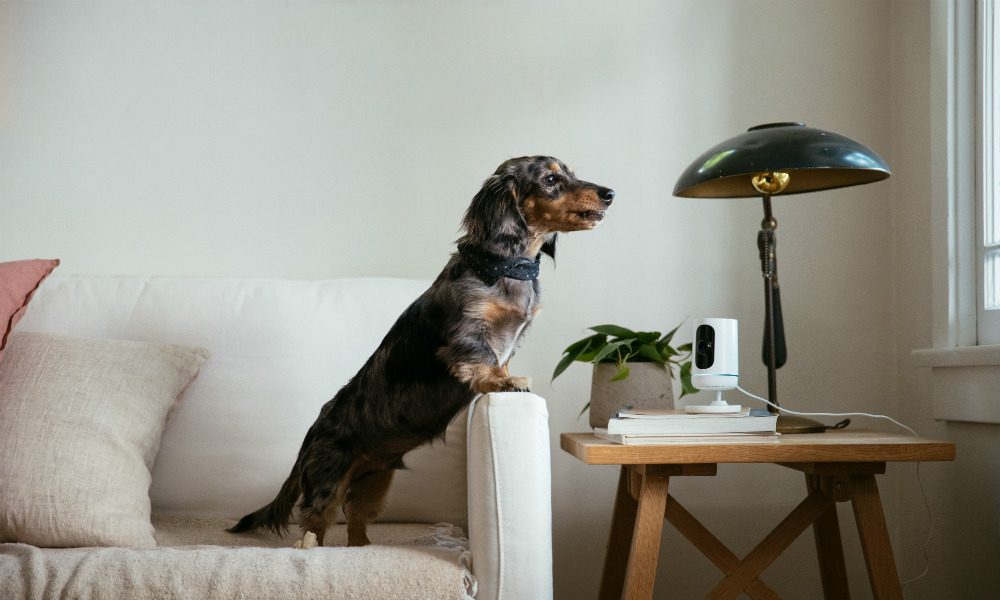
[(470, 518)]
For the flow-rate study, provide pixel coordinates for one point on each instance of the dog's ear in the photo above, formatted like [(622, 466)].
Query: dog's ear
[(494, 219), (549, 247)]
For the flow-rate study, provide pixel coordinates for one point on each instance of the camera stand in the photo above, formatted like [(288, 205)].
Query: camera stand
[(717, 406)]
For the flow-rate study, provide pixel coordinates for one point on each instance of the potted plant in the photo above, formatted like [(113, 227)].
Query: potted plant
[(631, 368)]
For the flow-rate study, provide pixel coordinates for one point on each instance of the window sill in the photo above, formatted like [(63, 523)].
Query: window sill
[(964, 382)]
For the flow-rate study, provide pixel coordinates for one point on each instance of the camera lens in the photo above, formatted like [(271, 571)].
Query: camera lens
[(704, 347)]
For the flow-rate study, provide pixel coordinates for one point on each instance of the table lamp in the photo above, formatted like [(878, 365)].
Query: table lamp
[(779, 158)]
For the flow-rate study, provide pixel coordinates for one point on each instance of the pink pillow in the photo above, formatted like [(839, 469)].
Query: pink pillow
[(18, 282)]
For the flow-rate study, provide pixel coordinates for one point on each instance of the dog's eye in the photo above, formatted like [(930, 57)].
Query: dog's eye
[(550, 179)]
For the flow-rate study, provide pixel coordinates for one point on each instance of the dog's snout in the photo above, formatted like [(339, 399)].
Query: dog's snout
[(606, 195)]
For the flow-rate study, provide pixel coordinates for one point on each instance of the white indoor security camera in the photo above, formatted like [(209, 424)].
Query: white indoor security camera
[(716, 364)]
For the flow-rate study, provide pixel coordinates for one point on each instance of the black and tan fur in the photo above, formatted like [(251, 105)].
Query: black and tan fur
[(452, 343)]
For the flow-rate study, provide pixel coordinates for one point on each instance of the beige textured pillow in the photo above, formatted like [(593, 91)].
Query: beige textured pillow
[(80, 426)]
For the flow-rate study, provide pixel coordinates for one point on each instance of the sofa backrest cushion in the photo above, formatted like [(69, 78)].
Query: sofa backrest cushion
[(280, 350)]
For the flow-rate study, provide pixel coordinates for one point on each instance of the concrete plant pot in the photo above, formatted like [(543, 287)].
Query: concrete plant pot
[(648, 386)]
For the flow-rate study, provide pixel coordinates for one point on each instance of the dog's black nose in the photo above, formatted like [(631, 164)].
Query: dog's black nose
[(606, 195)]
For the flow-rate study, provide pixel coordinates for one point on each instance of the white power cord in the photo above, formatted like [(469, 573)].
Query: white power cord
[(920, 482), (930, 530), (820, 414)]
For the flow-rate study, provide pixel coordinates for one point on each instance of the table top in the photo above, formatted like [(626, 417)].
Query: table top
[(841, 446)]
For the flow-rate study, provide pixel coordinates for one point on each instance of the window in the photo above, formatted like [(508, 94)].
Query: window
[(988, 190), (965, 105)]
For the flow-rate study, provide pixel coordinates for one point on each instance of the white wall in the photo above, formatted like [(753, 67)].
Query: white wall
[(314, 140)]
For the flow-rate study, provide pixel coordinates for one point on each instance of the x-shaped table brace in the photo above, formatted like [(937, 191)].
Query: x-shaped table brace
[(642, 503)]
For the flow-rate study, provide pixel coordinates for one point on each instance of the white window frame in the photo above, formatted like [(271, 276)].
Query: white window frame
[(965, 372), (987, 199)]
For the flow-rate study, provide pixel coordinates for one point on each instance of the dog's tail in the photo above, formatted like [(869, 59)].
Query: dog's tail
[(275, 515)]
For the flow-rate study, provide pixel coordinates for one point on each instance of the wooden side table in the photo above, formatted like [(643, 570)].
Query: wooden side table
[(839, 466)]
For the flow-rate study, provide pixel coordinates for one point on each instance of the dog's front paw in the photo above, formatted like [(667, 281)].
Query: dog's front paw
[(486, 379), (504, 384), (514, 384)]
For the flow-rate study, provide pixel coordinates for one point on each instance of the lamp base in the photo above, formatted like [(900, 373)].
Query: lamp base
[(795, 424)]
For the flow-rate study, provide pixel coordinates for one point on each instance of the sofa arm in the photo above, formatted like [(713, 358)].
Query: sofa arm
[(510, 496)]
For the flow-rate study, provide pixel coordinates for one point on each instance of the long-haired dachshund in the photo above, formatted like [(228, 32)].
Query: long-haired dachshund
[(452, 343)]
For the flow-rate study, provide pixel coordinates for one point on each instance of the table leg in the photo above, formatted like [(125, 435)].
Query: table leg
[(641, 572), (829, 548), (874, 536), (619, 541)]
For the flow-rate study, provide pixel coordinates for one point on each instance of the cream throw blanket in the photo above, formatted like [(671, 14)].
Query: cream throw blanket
[(197, 559)]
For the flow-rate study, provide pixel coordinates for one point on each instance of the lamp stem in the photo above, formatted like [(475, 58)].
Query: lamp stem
[(769, 270), (774, 336), (768, 216)]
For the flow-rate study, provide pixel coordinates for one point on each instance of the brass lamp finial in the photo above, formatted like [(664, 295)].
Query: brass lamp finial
[(770, 183)]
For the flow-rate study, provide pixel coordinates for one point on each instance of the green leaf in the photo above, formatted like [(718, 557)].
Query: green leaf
[(562, 366), (686, 386), (586, 349), (607, 351), (648, 337), (614, 330), (666, 350), (630, 355), (651, 353), (577, 347), (670, 334), (570, 354), (622, 373)]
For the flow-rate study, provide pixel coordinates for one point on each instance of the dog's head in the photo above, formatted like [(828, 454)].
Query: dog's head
[(529, 200)]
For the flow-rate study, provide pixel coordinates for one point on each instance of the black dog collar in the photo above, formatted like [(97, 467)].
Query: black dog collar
[(491, 268)]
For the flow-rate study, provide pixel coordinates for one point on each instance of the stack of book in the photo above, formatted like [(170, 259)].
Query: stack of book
[(653, 426)]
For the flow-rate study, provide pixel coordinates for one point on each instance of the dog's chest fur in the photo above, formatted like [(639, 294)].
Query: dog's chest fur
[(507, 315)]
